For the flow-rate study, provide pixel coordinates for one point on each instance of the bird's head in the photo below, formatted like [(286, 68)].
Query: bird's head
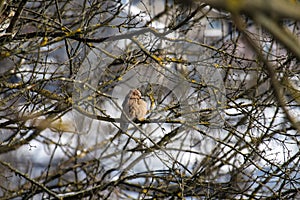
[(135, 94)]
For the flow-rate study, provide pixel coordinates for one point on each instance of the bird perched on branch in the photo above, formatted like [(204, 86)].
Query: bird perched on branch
[(134, 107)]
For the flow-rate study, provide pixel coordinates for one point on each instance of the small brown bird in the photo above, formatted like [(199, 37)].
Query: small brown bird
[(134, 107)]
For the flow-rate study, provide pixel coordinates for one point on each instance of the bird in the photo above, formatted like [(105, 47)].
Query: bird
[(134, 108)]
